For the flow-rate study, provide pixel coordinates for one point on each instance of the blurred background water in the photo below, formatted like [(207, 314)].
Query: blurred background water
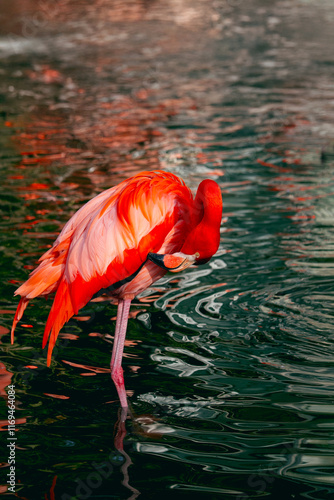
[(230, 365)]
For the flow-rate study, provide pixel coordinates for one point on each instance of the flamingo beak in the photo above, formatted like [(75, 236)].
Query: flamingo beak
[(174, 262)]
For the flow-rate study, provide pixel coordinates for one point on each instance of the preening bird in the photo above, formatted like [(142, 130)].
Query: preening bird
[(119, 243)]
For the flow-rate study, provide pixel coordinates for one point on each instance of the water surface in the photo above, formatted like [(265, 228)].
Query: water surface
[(229, 367)]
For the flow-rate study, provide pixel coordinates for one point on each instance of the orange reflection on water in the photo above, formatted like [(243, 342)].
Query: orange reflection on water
[(5, 380), (56, 396), (94, 369)]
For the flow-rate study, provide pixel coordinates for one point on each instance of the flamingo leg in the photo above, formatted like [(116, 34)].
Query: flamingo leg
[(117, 352)]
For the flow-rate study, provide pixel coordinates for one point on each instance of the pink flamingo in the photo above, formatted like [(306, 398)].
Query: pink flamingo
[(119, 243)]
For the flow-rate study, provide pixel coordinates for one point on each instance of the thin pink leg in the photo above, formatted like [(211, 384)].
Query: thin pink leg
[(117, 352)]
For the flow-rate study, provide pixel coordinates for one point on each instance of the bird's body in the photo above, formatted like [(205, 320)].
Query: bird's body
[(121, 242)]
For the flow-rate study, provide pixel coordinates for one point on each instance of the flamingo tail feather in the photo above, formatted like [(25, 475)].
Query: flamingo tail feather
[(18, 315), (61, 311)]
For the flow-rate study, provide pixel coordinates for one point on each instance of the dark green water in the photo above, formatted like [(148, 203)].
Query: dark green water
[(229, 366)]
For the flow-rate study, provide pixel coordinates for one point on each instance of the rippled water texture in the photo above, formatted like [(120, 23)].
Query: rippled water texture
[(229, 366)]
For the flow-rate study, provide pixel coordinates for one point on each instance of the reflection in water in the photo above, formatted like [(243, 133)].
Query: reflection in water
[(230, 366), (119, 445), (52, 490)]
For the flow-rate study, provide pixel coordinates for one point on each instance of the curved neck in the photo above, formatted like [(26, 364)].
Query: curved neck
[(205, 236), (208, 202)]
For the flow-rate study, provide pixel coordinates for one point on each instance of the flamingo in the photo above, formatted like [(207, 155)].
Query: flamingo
[(119, 243)]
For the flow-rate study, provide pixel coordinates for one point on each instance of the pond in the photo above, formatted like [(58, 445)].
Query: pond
[(228, 366)]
